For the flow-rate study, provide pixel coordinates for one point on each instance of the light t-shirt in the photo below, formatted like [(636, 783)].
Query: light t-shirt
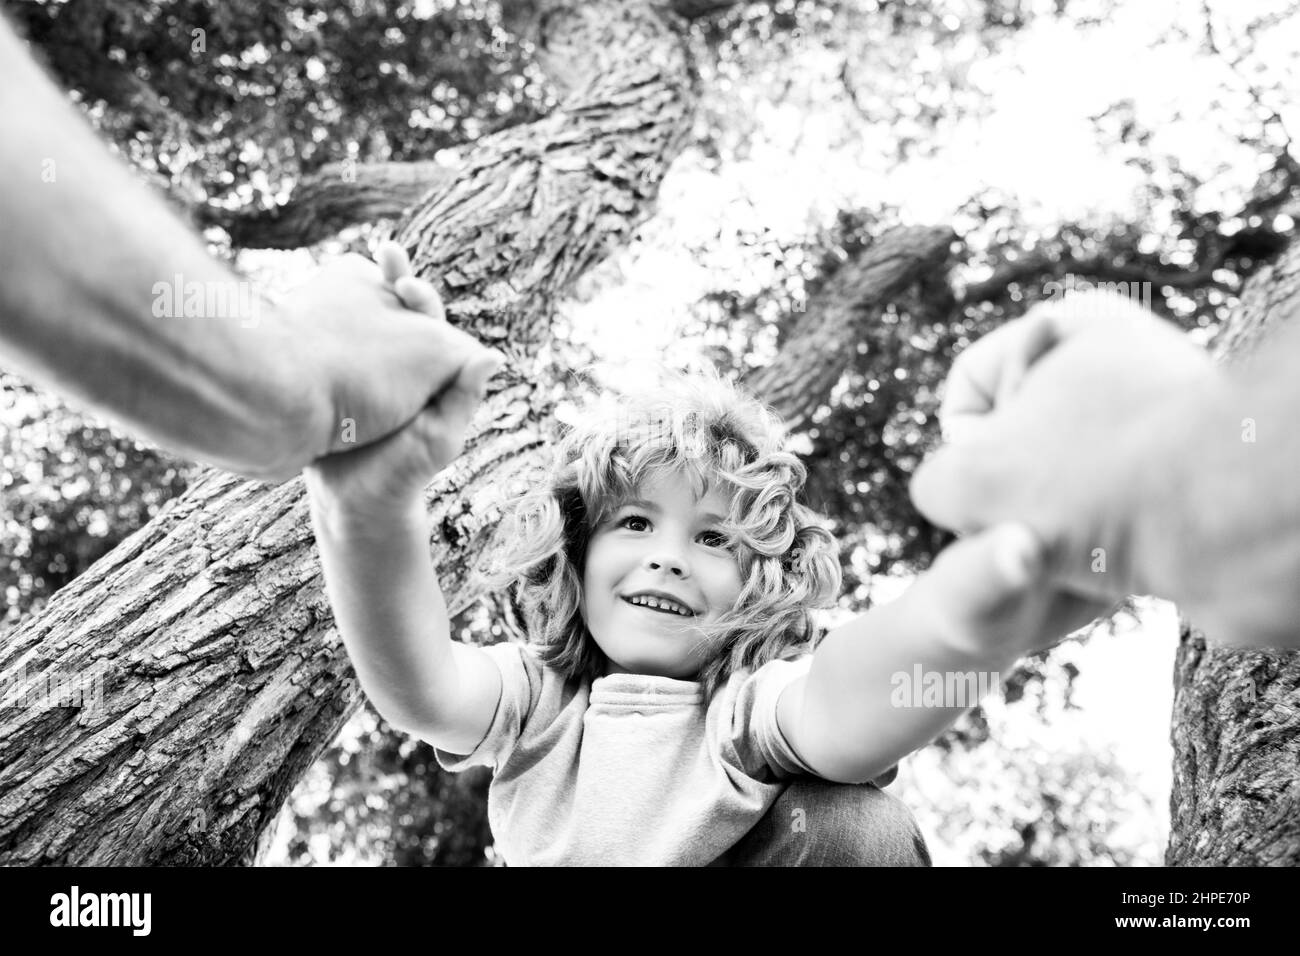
[(629, 769)]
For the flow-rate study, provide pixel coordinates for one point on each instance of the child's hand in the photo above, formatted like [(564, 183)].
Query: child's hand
[(989, 596), (388, 475)]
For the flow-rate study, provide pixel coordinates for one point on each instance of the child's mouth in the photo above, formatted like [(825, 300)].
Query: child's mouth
[(656, 610)]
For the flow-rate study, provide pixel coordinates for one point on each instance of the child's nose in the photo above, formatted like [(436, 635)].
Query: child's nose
[(662, 561)]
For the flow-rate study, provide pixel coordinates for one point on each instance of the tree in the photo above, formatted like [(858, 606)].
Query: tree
[(211, 618)]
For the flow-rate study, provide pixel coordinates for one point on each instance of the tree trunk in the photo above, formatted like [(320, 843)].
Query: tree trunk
[(1236, 720), (222, 676)]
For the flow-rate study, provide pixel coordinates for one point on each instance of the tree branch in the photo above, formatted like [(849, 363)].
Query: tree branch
[(325, 203), (812, 361), (1039, 267)]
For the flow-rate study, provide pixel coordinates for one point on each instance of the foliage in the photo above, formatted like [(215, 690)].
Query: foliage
[(1018, 801), (281, 90), (72, 490), (233, 102), (377, 797)]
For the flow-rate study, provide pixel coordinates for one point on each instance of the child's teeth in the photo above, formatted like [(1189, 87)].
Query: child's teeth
[(658, 605)]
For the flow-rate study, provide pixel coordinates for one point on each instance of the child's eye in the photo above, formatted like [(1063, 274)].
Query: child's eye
[(718, 537), (632, 518)]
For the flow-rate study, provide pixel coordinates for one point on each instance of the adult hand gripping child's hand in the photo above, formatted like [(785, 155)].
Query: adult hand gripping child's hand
[(1043, 480), (1051, 422), (989, 597), (377, 479), (983, 604)]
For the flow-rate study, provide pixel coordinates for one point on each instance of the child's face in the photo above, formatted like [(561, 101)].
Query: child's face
[(671, 544)]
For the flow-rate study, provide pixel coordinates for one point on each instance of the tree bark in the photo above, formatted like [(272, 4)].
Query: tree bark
[(1236, 718), (222, 676), (813, 359), (327, 202)]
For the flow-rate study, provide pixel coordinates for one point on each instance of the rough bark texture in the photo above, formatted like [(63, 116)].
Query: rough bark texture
[(342, 195), (338, 196), (223, 676), (1236, 720), (815, 357), (536, 206)]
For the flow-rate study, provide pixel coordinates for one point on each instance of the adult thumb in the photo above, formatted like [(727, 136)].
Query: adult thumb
[(977, 576), (947, 488), (476, 374), (451, 412), (463, 395)]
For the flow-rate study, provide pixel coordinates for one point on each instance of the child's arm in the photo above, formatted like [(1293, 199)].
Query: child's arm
[(972, 615), (393, 619), (372, 532)]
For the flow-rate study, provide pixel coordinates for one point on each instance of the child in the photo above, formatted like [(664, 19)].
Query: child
[(673, 705)]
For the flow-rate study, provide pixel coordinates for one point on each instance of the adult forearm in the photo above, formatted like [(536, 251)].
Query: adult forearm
[(1219, 528), (389, 609), (89, 256)]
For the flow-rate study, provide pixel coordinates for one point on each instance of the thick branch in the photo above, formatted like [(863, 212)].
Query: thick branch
[(338, 196), (811, 362), (1269, 298), (1040, 268), (536, 206)]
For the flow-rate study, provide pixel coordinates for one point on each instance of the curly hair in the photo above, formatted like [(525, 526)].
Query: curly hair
[(708, 430)]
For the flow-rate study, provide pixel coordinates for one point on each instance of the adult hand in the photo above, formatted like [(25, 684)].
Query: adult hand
[(378, 362), (1052, 419), (386, 476), (93, 271), (989, 596)]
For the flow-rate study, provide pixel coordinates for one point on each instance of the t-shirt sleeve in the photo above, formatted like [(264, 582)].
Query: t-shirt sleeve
[(756, 711), (520, 685), (763, 744)]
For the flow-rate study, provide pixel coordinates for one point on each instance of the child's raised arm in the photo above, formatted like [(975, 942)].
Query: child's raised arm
[(393, 619), (892, 679), (372, 531)]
